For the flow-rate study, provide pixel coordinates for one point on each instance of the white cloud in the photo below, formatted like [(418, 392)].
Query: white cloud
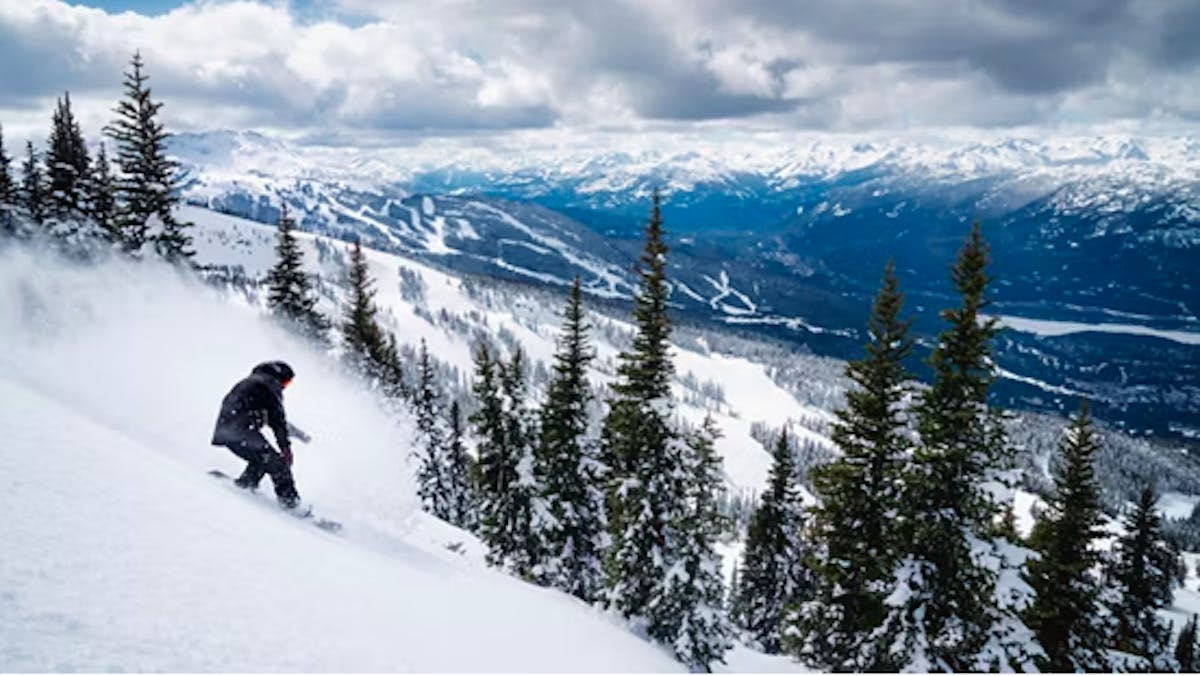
[(380, 67)]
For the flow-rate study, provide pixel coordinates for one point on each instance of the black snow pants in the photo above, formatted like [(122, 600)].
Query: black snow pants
[(263, 459)]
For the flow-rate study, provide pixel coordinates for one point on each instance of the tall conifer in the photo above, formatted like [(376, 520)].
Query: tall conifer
[(638, 440), (505, 462), (8, 189), (291, 296), (362, 338), (101, 195), (1141, 572), (689, 614), (855, 544), (462, 499), (148, 185), (651, 499), (33, 186), (67, 163), (773, 575), (433, 472), (570, 520), (1185, 648), (1065, 613), (946, 615)]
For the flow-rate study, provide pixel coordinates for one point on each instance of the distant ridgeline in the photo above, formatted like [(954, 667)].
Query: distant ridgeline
[(1111, 237)]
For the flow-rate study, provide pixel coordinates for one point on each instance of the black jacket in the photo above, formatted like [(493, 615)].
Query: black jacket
[(252, 403)]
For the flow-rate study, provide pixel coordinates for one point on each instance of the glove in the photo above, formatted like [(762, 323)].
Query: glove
[(286, 452)]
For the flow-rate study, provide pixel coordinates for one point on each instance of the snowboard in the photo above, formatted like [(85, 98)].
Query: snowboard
[(324, 524)]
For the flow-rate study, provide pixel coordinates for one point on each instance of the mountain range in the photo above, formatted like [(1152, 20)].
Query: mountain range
[(1094, 239)]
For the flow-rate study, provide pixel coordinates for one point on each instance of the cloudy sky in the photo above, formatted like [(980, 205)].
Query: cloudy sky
[(370, 71)]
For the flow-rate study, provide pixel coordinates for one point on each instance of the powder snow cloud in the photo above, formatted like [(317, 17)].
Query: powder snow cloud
[(396, 69)]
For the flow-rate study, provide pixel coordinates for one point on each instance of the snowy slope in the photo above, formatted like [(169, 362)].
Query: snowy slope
[(121, 554), (750, 395)]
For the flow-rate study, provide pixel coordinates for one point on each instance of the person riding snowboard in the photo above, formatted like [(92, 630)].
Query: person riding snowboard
[(253, 402)]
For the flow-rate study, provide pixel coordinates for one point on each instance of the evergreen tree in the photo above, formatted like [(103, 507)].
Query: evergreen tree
[(463, 505), (487, 422), (291, 296), (33, 186), (1141, 572), (570, 521), (394, 384), (774, 576), (638, 441), (433, 474), (652, 494), (734, 600), (505, 462), (947, 616), (362, 338), (855, 544), (8, 189), (521, 433), (67, 163), (1185, 648), (1065, 614), (148, 185), (689, 615), (101, 195)]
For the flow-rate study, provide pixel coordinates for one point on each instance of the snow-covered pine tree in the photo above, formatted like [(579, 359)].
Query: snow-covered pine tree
[(855, 543), (569, 519), (1185, 648), (733, 598), (147, 188), (393, 383), (505, 462), (362, 338), (291, 296), (520, 425), (1065, 615), (67, 163), (463, 504), (637, 439), (8, 191), (433, 480), (33, 186), (774, 578), (487, 424), (1141, 572), (943, 610), (101, 195), (689, 613), (649, 497)]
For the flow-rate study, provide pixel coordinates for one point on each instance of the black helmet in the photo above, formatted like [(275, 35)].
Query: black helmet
[(276, 369)]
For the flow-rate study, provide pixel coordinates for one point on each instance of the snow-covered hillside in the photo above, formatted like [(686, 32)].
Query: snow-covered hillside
[(121, 554), (447, 311)]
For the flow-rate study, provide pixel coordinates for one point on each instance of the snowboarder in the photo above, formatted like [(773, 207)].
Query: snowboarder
[(253, 402)]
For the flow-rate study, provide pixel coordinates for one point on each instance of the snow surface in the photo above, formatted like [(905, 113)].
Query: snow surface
[(120, 554)]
